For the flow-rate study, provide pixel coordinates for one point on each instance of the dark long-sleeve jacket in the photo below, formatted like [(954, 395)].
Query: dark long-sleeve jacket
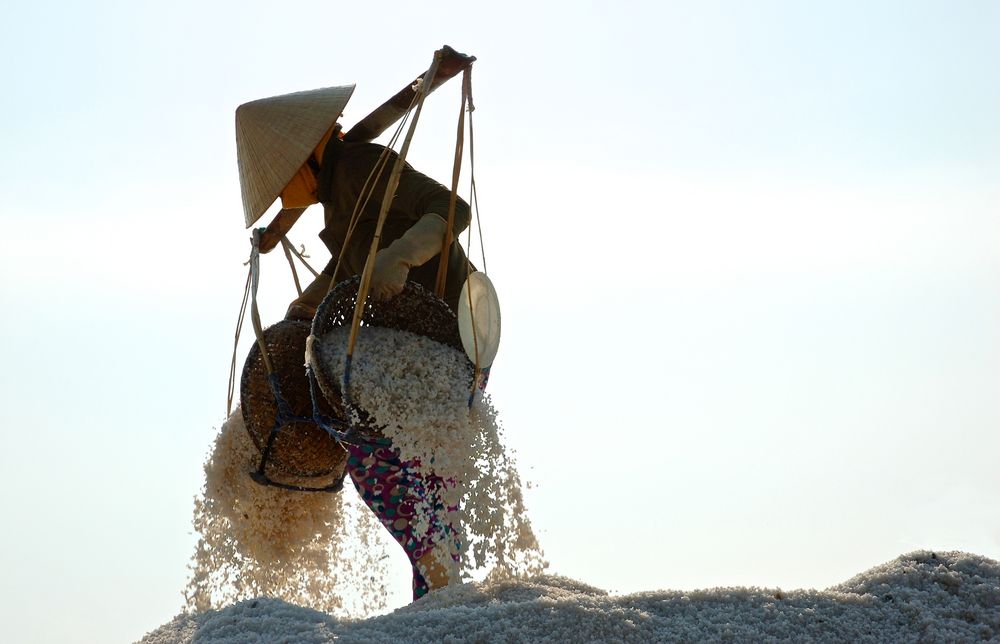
[(343, 173)]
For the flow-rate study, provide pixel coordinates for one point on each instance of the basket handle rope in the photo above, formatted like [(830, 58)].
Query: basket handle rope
[(442, 274), (249, 293), (236, 342), (390, 192), (258, 329), (474, 194), (289, 253), (480, 375), (367, 190)]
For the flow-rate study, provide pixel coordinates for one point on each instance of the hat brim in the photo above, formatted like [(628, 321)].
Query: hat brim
[(276, 135)]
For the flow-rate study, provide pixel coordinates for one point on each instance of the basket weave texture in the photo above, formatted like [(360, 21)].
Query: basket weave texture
[(301, 448), (415, 309)]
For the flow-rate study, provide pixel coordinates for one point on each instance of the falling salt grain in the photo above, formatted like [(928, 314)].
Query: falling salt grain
[(328, 551), (311, 548), (417, 391)]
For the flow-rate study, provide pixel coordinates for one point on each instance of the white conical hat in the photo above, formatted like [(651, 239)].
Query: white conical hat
[(275, 136)]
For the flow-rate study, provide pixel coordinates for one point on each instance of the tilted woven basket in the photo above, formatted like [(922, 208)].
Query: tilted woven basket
[(301, 448), (415, 309)]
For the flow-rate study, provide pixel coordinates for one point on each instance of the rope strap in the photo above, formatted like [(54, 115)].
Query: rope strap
[(291, 265), (283, 418), (236, 342), (390, 192), (289, 253), (442, 274), (258, 329)]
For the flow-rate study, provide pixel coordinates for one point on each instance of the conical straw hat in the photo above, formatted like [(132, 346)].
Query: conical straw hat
[(275, 136)]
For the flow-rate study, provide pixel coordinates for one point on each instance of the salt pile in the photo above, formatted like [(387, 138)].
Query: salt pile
[(923, 596), (278, 566)]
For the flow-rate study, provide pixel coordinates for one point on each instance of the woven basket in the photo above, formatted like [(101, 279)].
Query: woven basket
[(301, 449), (415, 309)]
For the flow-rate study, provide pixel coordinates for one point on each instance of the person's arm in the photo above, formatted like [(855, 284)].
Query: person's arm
[(419, 244), (418, 194), (392, 265), (304, 306), (427, 201)]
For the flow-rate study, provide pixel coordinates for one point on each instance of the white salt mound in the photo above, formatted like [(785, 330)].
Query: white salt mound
[(923, 596)]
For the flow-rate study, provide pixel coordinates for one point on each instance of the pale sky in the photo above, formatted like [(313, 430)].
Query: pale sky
[(748, 256)]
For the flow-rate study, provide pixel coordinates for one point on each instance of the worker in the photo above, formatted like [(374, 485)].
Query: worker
[(335, 174), (410, 247)]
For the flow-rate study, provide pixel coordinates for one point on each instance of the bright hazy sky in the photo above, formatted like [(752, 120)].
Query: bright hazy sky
[(748, 256)]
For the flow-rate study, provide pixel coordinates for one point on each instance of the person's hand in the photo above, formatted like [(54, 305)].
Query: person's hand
[(418, 244), (300, 311), (304, 306), (388, 275)]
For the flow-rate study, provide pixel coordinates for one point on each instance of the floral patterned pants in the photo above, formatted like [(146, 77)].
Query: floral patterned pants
[(393, 489)]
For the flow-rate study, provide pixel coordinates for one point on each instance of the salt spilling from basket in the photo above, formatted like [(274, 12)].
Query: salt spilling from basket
[(318, 550), (415, 391)]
